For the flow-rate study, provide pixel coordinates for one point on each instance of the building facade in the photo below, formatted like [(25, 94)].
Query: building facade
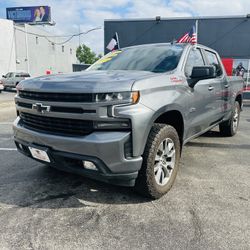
[(29, 48), (228, 35), (7, 48)]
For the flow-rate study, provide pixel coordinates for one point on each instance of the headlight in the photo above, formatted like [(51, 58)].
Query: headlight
[(130, 97)]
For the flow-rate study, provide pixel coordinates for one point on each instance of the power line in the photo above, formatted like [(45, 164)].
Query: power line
[(11, 51), (59, 43)]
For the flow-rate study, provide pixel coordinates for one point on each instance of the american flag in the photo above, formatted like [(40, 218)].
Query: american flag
[(190, 37)]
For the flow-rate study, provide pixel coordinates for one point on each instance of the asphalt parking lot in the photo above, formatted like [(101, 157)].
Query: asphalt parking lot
[(207, 208)]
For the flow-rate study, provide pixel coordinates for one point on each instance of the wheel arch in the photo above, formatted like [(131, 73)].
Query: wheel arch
[(167, 115), (173, 118), (239, 99)]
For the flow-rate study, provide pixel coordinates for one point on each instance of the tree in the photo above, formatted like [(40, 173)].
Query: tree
[(85, 55)]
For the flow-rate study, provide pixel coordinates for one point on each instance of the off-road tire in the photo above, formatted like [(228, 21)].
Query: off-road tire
[(146, 183), (227, 128)]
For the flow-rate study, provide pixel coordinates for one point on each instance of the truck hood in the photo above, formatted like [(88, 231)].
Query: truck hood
[(86, 81)]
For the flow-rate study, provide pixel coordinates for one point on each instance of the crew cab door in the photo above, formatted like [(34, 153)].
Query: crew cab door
[(200, 98), (6, 79), (216, 86), (9, 79)]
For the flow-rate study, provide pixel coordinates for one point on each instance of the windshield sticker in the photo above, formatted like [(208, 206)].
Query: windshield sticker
[(109, 57)]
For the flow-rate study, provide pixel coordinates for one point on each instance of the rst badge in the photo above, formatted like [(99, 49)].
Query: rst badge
[(39, 107)]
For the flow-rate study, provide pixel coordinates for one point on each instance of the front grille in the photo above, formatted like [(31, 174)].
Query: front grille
[(57, 97), (24, 105), (57, 126), (72, 110)]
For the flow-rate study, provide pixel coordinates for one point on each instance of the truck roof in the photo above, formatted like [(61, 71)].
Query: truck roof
[(173, 44)]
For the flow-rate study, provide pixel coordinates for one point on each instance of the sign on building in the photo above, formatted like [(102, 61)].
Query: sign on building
[(33, 14)]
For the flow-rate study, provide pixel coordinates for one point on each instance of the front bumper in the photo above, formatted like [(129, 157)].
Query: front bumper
[(105, 149)]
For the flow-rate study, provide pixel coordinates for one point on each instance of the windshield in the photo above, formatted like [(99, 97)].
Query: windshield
[(158, 59)]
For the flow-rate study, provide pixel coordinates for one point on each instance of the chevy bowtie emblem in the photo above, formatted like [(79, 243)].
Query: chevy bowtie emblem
[(39, 107)]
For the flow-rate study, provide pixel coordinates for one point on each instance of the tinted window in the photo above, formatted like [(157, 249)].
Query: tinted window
[(194, 59), (11, 75), (22, 75), (213, 60), (156, 59), (25, 75)]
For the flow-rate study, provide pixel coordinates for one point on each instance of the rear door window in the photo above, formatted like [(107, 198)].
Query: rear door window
[(213, 60), (22, 75), (25, 75)]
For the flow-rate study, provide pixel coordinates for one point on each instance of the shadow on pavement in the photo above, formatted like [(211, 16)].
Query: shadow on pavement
[(218, 145), (46, 187), (212, 134)]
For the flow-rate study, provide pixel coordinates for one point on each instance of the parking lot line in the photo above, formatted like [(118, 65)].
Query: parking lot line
[(6, 123), (8, 149)]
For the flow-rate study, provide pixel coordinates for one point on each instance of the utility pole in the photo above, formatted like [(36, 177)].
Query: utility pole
[(79, 35), (27, 48), (196, 27)]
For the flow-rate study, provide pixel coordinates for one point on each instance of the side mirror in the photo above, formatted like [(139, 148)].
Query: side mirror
[(3, 76), (201, 73)]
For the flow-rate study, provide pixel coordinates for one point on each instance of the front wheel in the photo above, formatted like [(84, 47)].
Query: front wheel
[(160, 162), (230, 127)]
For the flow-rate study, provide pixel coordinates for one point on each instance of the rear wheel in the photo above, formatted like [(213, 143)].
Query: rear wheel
[(230, 127), (160, 162)]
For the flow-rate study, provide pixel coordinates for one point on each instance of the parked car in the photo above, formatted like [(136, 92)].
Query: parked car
[(1, 86), (126, 118), (11, 79)]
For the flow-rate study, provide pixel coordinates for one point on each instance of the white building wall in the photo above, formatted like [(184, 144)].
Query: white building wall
[(7, 47), (34, 54), (38, 55)]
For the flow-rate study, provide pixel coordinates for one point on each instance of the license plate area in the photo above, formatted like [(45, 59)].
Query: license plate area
[(39, 154)]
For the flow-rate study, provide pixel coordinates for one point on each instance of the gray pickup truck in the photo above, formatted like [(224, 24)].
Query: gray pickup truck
[(126, 118)]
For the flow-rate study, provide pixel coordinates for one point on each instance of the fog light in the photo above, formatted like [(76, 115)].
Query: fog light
[(89, 165)]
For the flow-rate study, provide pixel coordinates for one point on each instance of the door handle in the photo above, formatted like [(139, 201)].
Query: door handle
[(210, 88), (226, 86)]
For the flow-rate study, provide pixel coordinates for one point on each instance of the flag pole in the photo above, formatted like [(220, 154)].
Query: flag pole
[(196, 27), (118, 43), (248, 73)]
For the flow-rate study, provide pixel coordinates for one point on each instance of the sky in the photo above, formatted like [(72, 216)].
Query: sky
[(69, 15)]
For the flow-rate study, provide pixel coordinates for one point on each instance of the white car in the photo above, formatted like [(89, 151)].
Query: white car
[(1, 86), (11, 79)]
